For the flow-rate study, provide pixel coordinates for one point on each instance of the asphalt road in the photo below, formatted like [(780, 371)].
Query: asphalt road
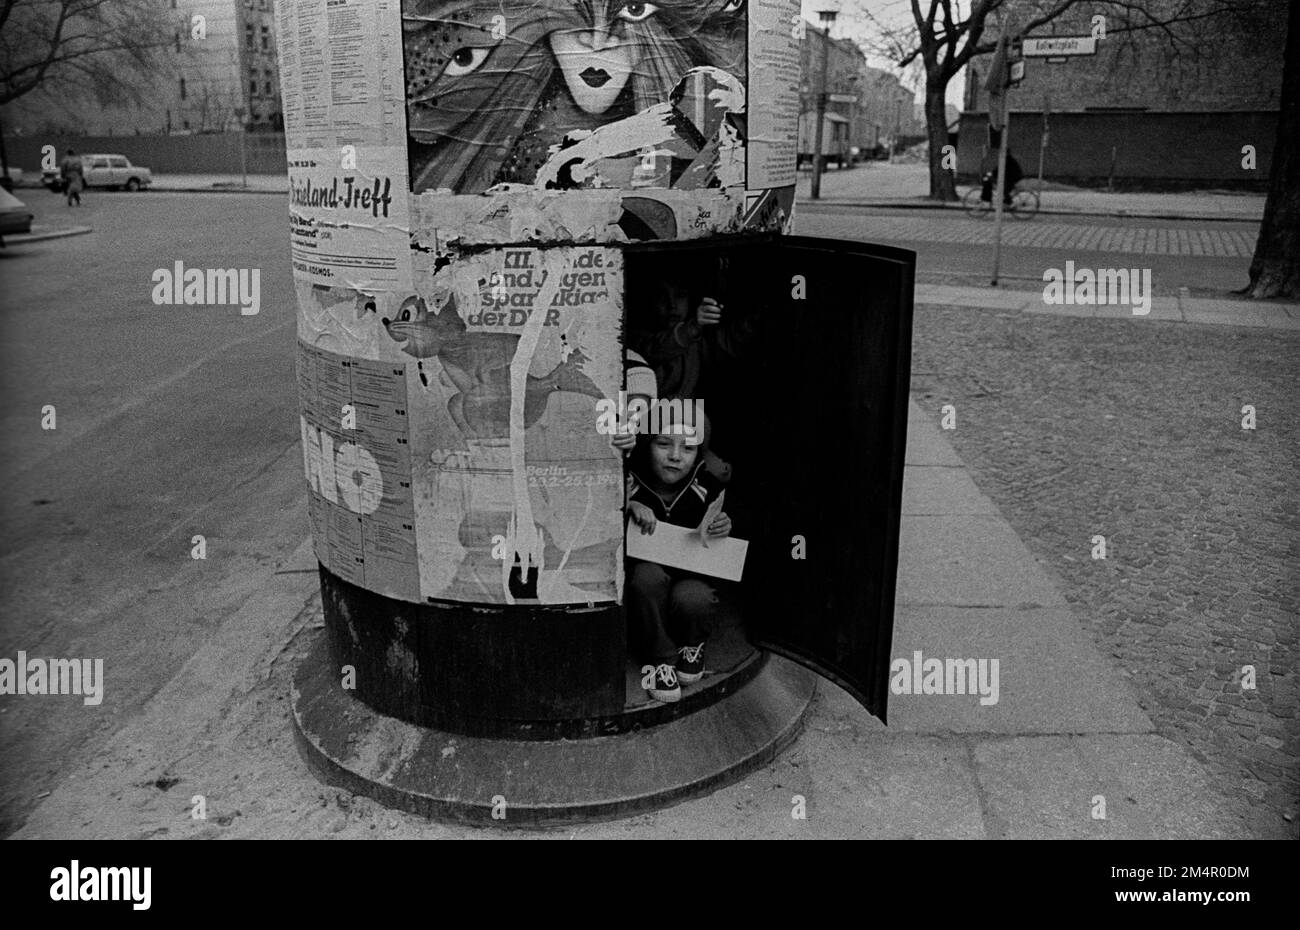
[(1208, 258), (170, 422)]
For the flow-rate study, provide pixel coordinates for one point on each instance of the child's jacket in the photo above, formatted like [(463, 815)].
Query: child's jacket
[(688, 507)]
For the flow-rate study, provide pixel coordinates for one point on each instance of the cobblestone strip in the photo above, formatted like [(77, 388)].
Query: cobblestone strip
[(1219, 243)]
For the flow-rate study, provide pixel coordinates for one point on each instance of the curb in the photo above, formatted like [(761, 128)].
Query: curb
[(155, 189), (26, 238), (936, 205), (1223, 312), (217, 190)]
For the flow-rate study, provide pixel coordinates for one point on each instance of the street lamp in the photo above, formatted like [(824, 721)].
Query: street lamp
[(898, 126), (828, 19), (243, 156)]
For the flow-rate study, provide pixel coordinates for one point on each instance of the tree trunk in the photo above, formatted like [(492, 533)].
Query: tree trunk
[(943, 184), (1275, 269)]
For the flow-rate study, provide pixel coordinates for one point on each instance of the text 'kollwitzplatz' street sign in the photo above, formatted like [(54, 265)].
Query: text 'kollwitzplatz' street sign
[(1059, 46)]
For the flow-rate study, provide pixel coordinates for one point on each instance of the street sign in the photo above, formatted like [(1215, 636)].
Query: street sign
[(1017, 73), (843, 98), (1056, 46)]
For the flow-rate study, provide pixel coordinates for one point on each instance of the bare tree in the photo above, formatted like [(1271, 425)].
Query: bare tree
[(1275, 268), (104, 46), (945, 39)]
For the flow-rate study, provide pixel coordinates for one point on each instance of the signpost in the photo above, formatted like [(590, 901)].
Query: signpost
[(1059, 46), (1000, 80), (1007, 71), (243, 152)]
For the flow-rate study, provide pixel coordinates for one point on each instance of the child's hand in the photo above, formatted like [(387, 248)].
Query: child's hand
[(720, 527), (708, 313), (623, 442), (642, 516)]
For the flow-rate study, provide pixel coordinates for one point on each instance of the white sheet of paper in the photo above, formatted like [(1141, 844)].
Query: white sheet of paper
[(680, 547)]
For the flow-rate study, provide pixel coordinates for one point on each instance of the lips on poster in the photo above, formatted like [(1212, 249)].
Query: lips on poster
[(575, 94)]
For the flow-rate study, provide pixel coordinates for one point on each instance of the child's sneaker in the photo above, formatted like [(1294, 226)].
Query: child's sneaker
[(664, 686), (690, 663)]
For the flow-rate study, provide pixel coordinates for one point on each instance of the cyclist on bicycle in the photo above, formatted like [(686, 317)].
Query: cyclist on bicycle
[(989, 178)]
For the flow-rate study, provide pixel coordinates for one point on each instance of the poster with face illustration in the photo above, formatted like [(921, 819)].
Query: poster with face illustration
[(643, 104)]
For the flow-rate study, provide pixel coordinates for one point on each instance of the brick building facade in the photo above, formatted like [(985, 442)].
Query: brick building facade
[(1145, 109)]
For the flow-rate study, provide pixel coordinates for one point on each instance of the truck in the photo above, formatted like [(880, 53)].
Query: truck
[(835, 139)]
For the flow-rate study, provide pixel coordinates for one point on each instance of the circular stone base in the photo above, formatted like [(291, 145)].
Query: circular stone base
[(467, 779)]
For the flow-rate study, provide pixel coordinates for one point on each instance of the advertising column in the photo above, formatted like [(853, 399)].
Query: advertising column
[(463, 178)]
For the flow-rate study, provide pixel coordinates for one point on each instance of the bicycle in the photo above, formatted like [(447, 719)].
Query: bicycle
[(1024, 203)]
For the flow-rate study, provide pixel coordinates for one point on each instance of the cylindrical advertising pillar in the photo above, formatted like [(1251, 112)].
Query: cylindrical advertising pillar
[(510, 221)]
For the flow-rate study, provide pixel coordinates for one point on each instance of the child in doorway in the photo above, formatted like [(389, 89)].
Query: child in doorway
[(671, 609)]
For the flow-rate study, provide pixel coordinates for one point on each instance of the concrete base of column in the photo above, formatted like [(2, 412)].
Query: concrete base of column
[(464, 779)]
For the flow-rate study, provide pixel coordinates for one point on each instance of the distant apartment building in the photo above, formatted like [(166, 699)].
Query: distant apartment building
[(219, 74), (1145, 108), (888, 109), (872, 104)]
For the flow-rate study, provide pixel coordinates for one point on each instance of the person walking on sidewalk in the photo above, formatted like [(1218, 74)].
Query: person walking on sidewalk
[(74, 177)]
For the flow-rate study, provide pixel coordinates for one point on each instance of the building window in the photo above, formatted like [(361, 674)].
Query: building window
[(182, 88), (267, 82), (248, 35), (266, 39), (252, 88)]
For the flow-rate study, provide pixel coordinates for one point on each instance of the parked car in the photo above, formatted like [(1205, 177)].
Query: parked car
[(14, 216), (111, 171)]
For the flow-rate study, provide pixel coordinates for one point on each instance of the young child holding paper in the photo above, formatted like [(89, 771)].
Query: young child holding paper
[(669, 483)]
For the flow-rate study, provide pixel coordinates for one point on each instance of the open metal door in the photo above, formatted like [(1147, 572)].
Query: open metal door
[(827, 467)]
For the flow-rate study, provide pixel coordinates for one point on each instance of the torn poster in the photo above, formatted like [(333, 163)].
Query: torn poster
[(517, 494), (517, 97)]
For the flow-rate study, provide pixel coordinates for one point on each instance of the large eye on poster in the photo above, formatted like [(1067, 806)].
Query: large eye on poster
[(565, 95)]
